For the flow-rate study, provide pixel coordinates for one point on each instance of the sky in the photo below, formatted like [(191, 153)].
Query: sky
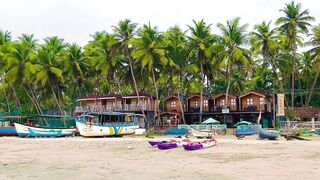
[(75, 20)]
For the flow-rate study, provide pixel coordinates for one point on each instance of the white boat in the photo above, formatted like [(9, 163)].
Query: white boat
[(107, 124), (23, 130), (202, 133)]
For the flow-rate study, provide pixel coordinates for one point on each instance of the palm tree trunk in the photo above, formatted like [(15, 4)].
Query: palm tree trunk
[(134, 80), (180, 102), (17, 100), (33, 102), (313, 86), (5, 95), (157, 96), (35, 98), (201, 93), (300, 88), (55, 97), (227, 94)]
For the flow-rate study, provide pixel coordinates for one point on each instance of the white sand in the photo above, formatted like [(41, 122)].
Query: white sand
[(110, 158)]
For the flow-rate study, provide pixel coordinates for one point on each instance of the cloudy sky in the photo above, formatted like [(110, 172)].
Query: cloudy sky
[(75, 20)]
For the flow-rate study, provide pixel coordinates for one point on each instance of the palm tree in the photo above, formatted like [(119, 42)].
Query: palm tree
[(200, 41), (49, 67), (19, 68), (150, 52), (236, 57), (75, 67), (315, 56), (124, 33), (103, 55), (176, 45), (264, 42), (294, 22)]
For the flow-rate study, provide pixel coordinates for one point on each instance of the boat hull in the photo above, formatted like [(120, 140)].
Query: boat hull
[(100, 131), (35, 133), (245, 132), (268, 134), (164, 146), (8, 131), (201, 134), (200, 145), (23, 130)]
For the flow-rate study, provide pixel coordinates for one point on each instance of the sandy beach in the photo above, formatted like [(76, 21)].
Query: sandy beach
[(134, 158)]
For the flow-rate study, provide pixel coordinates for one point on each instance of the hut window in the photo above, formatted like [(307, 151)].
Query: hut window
[(205, 103), (233, 102), (222, 102), (261, 101), (196, 103), (249, 101), (173, 104)]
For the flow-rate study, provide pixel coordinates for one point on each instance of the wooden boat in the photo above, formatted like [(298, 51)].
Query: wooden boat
[(23, 130), (172, 144), (36, 133), (268, 134), (8, 131), (202, 133), (200, 145), (244, 132), (101, 124), (6, 127)]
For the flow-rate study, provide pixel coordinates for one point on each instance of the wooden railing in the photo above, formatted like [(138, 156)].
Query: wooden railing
[(123, 107)]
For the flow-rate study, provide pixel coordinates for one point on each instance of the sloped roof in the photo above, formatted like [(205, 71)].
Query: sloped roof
[(89, 98), (261, 94), (223, 94), (141, 94), (110, 96), (197, 95)]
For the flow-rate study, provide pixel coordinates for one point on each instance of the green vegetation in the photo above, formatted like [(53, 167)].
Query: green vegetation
[(38, 76)]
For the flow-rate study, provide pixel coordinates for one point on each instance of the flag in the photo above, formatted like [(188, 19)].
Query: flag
[(259, 118)]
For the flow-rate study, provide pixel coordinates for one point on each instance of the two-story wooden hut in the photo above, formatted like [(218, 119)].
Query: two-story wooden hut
[(172, 112), (220, 102)]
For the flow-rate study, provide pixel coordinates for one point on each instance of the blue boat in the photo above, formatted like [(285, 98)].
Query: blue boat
[(268, 134), (36, 133), (244, 128), (6, 127), (8, 131)]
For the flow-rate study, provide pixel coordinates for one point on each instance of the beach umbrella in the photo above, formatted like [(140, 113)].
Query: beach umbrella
[(241, 123), (211, 121)]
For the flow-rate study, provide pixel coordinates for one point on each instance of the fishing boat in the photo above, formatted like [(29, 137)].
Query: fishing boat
[(173, 144), (6, 125), (244, 128), (99, 124), (200, 145), (268, 134), (36, 133), (46, 123), (202, 133)]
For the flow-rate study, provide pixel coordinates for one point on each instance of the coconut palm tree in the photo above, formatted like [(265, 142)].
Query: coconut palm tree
[(200, 41), (176, 45), (236, 57), (75, 67), (315, 56), (124, 33), (50, 67), (150, 52), (294, 23)]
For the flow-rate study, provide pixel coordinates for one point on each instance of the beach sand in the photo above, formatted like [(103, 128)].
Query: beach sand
[(133, 158)]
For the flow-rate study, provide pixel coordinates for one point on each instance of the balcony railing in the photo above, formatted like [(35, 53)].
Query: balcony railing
[(123, 107)]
